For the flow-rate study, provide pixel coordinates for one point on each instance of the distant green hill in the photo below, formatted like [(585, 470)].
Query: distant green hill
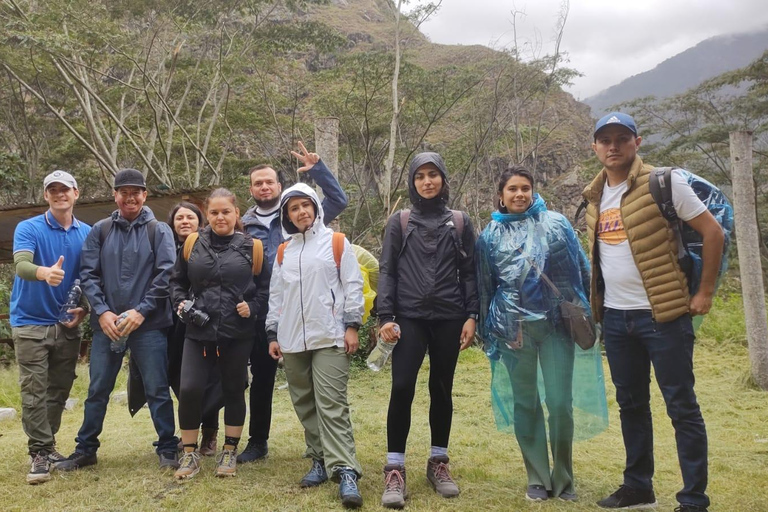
[(688, 69)]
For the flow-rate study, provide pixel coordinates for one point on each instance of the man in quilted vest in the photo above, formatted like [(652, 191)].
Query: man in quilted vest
[(640, 294)]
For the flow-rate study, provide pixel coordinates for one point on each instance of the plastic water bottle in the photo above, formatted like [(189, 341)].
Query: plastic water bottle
[(121, 343), (381, 352), (73, 299)]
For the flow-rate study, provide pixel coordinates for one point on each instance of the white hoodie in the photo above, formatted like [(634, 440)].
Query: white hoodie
[(310, 300)]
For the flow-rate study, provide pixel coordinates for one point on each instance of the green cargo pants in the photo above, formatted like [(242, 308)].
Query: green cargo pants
[(317, 381), (47, 356)]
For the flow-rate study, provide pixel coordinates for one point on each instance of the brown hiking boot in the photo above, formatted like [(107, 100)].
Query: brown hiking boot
[(439, 477), (208, 442), (394, 486)]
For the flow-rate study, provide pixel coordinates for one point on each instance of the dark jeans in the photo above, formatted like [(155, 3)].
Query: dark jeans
[(149, 351), (263, 369), (442, 338), (634, 341)]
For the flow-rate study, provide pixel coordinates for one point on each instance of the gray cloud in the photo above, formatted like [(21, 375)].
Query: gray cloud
[(606, 41)]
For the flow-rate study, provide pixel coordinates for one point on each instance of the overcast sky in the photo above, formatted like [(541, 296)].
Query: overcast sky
[(606, 40)]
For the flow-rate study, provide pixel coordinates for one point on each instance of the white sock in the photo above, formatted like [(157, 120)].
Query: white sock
[(439, 451), (396, 458)]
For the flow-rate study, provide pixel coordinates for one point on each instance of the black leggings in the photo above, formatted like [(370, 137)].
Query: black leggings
[(198, 362), (442, 338)]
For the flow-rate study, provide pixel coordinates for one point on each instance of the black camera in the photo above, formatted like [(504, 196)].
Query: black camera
[(191, 315)]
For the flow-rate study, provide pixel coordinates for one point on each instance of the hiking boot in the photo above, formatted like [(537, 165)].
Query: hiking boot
[(169, 459), (536, 493), (439, 477), (315, 476), (189, 466), (687, 507), (627, 497), (39, 469), (226, 463), (255, 450), (208, 442), (348, 491), (394, 486), (77, 460)]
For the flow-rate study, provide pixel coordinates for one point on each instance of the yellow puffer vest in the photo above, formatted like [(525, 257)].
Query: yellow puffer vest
[(652, 242)]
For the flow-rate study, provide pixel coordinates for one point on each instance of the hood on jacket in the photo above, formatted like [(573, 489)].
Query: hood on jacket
[(441, 199), (145, 215), (299, 190)]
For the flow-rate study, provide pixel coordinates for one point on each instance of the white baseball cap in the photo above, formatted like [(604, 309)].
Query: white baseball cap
[(62, 177)]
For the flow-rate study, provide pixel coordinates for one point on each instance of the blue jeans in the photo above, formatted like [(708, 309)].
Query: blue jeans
[(149, 351), (634, 341)]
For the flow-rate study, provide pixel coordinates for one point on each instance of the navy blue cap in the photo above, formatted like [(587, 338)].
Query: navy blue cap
[(619, 118)]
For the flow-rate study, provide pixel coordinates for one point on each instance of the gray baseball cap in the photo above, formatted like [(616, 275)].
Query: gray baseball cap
[(62, 177), (130, 178)]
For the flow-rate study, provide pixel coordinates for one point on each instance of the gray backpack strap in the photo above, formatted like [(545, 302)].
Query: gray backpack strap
[(104, 229), (151, 228), (404, 216), (660, 185), (458, 231)]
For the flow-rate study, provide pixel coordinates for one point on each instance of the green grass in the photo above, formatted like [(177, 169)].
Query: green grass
[(486, 462)]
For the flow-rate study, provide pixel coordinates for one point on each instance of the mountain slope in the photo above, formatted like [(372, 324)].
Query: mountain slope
[(685, 70)]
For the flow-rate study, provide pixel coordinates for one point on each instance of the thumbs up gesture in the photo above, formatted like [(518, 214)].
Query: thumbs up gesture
[(53, 275)]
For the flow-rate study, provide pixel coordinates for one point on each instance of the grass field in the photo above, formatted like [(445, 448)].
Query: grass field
[(486, 463)]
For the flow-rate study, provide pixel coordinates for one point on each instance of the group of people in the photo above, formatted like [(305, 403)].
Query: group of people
[(198, 303)]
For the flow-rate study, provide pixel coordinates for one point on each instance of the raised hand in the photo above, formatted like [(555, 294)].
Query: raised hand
[(52, 275), (306, 158)]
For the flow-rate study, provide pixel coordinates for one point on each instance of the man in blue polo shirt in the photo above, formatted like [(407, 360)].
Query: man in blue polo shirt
[(46, 254)]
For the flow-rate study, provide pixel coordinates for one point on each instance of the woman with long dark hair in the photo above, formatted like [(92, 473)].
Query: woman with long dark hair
[(214, 293), (523, 253)]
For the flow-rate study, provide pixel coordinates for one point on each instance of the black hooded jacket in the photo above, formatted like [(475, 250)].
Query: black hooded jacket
[(428, 273), (219, 281)]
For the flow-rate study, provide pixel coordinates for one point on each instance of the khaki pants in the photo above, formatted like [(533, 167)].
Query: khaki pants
[(47, 356), (317, 381)]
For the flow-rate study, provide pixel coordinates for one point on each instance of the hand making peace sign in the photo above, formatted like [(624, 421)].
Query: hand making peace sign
[(306, 158)]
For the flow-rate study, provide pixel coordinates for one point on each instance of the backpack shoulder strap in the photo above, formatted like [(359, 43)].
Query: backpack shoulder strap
[(404, 216), (258, 256), (281, 252), (660, 184), (151, 228), (189, 243), (458, 221), (338, 248), (104, 228)]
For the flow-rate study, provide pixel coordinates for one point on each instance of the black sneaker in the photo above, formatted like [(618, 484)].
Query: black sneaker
[(629, 498), (54, 457), (255, 450), (686, 507), (76, 461), (39, 469), (169, 460)]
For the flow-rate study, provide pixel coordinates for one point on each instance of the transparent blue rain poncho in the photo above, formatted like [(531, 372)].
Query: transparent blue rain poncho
[(520, 323)]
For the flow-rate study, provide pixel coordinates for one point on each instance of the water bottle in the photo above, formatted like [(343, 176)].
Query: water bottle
[(381, 352), (73, 299), (119, 345)]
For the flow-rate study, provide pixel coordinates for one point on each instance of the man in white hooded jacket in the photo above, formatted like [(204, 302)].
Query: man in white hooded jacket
[(315, 310)]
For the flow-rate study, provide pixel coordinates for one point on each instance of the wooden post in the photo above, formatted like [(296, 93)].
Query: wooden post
[(750, 268)]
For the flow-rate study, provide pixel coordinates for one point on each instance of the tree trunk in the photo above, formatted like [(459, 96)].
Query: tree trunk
[(749, 255), (327, 146)]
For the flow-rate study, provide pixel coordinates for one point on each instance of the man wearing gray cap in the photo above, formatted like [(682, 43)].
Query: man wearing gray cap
[(640, 294), (126, 263), (46, 255)]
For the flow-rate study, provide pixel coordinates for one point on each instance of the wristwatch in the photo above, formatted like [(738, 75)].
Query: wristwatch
[(354, 325), (473, 316)]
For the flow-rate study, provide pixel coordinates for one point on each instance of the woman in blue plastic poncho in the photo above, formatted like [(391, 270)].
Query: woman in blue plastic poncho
[(532, 356)]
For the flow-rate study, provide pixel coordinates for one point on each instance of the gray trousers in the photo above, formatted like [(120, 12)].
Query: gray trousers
[(47, 356), (317, 381)]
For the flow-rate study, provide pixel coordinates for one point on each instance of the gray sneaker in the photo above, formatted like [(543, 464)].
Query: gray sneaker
[(39, 469), (226, 463), (439, 477), (394, 486), (189, 466)]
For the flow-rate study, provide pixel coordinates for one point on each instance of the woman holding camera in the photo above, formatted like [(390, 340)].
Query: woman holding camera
[(216, 296)]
